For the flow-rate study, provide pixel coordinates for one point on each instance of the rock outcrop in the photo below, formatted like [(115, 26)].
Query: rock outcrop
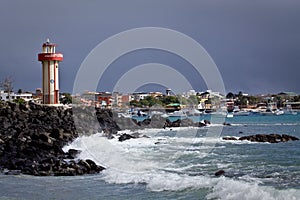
[(220, 173), (32, 137), (125, 136), (156, 121), (271, 138)]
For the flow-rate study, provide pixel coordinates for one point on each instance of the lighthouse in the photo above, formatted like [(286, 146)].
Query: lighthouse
[(50, 60)]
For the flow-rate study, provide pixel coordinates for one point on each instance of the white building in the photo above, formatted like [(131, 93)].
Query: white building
[(4, 96), (214, 94), (140, 95)]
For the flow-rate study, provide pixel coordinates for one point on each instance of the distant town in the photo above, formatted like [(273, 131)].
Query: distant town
[(204, 101)]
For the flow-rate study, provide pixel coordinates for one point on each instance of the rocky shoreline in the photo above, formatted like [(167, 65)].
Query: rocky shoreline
[(32, 136), (270, 138), (157, 121)]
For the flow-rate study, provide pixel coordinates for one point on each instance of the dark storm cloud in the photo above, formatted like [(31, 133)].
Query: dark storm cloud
[(256, 45)]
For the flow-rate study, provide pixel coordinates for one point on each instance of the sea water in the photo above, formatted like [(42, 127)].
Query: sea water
[(179, 163)]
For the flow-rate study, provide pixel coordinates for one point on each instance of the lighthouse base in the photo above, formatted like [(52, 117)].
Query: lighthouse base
[(52, 98)]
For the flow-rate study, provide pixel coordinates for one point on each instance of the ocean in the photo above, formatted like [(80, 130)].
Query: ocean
[(179, 163)]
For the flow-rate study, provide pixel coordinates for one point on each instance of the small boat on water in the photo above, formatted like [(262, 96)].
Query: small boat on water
[(289, 110), (279, 112), (272, 110), (267, 112), (165, 115), (178, 113), (162, 114), (241, 113), (229, 115), (238, 112)]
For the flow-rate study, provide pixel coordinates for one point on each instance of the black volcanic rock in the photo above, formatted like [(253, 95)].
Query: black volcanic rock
[(32, 137), (72, 153), (271, 138), (125, 136), (229, 138), (220, 173)]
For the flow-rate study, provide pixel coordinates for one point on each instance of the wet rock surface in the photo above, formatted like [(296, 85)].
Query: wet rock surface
[(220, 173), (32, 137), (156, 121), (271, 138), (125, 136)]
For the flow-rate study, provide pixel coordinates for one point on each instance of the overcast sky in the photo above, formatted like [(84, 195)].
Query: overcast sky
[(255, 44)]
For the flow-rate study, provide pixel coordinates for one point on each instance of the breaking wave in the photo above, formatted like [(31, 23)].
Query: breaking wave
[(163, 163)]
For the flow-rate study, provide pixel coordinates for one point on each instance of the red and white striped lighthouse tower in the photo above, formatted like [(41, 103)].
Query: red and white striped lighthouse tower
[(50, 61)]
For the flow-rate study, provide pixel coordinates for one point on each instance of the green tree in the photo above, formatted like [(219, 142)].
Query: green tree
[(152, 101), (170, 99), (279, 101), (135, 103), (296, 98), (240, 95), (230, 95), (254, 100), (144, 102), (244, 101), (19, 101), (67, 99)]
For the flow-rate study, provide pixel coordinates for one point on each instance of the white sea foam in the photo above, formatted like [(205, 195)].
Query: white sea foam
[(154, 164), (235, 189)]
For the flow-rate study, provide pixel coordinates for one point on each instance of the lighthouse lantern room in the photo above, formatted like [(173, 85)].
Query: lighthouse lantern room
[(50, 60)]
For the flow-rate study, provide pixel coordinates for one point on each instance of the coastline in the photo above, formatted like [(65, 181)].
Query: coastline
[(32, 137), (168, 162)]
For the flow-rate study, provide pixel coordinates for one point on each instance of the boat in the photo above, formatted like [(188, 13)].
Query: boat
[(165, 115), (229, 115), (178, 113), (279, 112), (289, 110), (138, 113), (241, 113), (238, 112), (267, 112), (272, 110), (160, 113)]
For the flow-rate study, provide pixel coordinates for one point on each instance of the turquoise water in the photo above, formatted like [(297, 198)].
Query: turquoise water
[(179, 163)]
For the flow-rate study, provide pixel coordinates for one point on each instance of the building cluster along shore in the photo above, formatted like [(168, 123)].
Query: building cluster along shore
[(197, 102), (207, 102)]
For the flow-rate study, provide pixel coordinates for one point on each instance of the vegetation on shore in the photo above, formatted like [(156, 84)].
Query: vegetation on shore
[(238, 99)]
